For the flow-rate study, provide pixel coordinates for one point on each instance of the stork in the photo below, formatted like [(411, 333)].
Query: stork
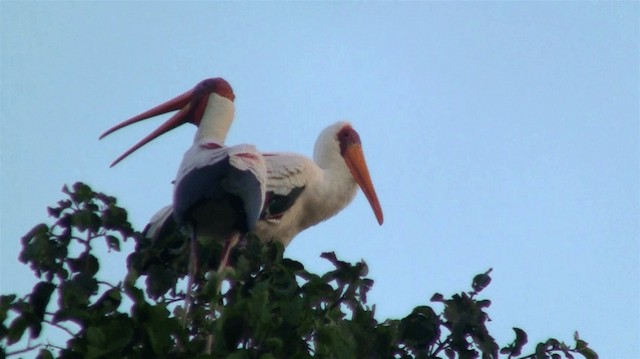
[(219, 191), (302, 192)]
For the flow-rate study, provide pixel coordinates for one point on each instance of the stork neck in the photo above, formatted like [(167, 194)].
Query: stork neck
[(216, 120), (337, 187), (326, 151), (337, 177), (330, 195)]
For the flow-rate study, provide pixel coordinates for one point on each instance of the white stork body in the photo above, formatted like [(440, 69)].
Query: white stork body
[(302, 192), (317, 189), (288, 173)]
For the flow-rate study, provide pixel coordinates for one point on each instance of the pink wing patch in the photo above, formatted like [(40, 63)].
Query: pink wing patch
[(210, 145), (250, 156)]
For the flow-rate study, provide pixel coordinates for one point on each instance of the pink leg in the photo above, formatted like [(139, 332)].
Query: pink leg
[(228, 246), (193, 267)]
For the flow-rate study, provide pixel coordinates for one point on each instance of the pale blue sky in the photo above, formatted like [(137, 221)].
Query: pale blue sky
[(498, 134)]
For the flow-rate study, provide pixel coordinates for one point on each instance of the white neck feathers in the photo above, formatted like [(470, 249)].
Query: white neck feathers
[(216, 120), (338, 187)]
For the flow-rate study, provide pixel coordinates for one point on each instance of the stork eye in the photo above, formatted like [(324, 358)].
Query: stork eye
[(205, 85)]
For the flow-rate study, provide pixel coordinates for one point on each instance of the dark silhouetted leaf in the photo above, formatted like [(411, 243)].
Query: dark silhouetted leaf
[(420, 329), (44, 354), (16, 329), (481, 281), (113, 243)]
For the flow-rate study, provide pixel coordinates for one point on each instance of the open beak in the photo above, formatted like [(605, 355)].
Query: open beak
[(354, 158), (182, 103)]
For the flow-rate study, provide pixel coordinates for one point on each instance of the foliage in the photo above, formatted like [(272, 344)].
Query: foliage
[(269, 306)]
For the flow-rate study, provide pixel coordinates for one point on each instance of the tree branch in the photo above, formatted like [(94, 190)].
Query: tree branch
[(67, 330), (25, 350)]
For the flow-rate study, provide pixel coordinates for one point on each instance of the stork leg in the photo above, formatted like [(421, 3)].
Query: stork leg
[(193, 267), (230, 243), (228, 246)]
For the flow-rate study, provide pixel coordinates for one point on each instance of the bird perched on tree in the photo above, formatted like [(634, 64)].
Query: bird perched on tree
[(219, 191)]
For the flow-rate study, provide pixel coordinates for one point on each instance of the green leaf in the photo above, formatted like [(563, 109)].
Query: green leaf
[(114, 217), (86, 220), (81, 193), (119, 332), (6, 302), (553, 343), (160, 280), (421, 328), (331, 257), (44, 354), (77, 291), (292, 265), (483, 303), (481, 281), (96, 336), (159, 326), (274, 344), (86, 264), (449, 353), (520, 341), (38, 300), (16, 329), (108, 302), (521, 337), (582, 347), (239, 354), (588, 353), (541, 351), (38, 229), (113, 243)]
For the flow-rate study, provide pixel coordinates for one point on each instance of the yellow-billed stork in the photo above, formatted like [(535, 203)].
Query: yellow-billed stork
[(302, 192), (219, 191)]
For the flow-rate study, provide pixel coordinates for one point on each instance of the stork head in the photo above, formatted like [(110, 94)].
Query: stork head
[(193, 106), (343, 139)]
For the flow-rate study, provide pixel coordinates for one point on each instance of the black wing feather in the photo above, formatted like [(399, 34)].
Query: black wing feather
[(276, 204)]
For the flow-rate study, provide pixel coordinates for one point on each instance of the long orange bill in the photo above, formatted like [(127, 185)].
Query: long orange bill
[(181, 103), (354, 158)]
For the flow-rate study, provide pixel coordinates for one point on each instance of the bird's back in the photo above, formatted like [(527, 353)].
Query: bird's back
[(220, 188)]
